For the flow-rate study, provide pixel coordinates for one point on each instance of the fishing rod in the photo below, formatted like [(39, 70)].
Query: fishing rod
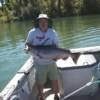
[(81, 88)]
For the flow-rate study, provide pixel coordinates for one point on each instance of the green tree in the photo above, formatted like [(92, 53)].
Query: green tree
[(2, 4), (91, 7), (26, 9)]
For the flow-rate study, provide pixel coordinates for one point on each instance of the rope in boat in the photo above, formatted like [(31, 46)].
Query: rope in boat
[(91, 82), (81, 88)]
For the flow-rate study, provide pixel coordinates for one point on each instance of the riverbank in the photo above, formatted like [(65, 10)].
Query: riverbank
[(7, 19), (12, 19)]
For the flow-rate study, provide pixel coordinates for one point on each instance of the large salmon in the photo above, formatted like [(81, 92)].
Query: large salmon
[(51, 52)]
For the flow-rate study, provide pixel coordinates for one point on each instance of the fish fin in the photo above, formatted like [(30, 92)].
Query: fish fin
[(75, 56), (65, 58), (29, 45), (55, 59), (39, 55)]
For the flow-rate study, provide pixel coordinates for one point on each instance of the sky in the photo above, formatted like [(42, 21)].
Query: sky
[(0, 2)]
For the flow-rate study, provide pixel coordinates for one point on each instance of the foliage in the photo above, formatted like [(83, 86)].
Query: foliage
[(28, 9)]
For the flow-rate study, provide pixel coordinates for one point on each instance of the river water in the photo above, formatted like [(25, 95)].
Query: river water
[(81, 31)]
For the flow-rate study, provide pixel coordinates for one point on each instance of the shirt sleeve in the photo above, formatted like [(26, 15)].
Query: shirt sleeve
[(29, 38)]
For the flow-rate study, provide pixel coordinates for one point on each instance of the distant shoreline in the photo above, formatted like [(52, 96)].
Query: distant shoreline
[(4, 19)]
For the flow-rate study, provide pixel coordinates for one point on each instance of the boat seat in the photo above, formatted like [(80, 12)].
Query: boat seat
[(74, 76), (63, 63), (86, 59)]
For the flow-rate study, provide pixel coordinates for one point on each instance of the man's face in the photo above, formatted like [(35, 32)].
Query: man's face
[(43, 24)]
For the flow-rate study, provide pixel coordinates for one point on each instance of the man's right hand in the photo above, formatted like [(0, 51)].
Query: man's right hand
[(27, 49)]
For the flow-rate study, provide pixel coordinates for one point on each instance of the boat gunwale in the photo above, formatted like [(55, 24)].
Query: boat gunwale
[(78, 66)]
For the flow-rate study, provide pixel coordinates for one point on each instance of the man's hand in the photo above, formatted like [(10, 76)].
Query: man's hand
[(27, 49)]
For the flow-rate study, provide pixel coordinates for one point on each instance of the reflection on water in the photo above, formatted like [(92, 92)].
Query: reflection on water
[(12, 57), (13, 33), (73, 32), (79, 31)]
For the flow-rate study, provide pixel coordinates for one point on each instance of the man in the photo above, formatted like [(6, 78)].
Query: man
[(43, 35)]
